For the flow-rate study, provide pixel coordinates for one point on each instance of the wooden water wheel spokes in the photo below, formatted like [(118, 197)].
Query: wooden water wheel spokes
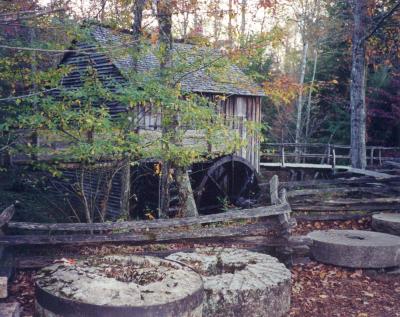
[(230, 180)]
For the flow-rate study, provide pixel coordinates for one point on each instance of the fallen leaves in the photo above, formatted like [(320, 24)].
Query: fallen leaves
[(367, 294), (22, 290), (65, 261), (304, 227), (323, 290), (318, 290)]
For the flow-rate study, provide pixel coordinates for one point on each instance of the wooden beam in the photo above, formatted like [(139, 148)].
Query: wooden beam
[(235, 215), (177, 236)]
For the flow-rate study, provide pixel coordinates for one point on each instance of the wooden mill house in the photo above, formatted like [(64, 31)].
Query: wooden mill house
[(241, 97), (237, 96)]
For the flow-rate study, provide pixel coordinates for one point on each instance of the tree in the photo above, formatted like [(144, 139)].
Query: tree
[(358, 78), (171, 123), (357, 87)]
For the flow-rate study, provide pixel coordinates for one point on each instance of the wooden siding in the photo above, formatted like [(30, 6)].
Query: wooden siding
[(244, 108), (236, 109)]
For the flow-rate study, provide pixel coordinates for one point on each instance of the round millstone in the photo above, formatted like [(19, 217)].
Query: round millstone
[(119, 286), (356, 248), (387, 222), (240, 283)]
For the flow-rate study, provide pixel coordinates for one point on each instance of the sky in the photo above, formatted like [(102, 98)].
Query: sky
[(256, 19)]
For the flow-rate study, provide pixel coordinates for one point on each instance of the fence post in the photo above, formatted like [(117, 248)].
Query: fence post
[(371, 155), (333, 159), (283, 155), (273, 190), (328, 157)]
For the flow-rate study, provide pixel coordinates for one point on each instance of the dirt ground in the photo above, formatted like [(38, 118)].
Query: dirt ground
[(317, 289)]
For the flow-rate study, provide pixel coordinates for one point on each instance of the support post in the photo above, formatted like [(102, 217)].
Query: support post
[(285, 251), (125, 189), (273, 190), (6, 254), (283, 155), (371, 161), (328, 154), (333, 159)]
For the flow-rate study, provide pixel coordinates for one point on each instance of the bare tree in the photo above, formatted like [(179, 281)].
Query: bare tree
[(308, 106)]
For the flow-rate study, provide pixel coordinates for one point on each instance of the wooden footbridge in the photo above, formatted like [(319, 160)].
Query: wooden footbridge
[(320, 157)]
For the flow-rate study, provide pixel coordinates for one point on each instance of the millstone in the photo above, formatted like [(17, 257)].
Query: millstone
[(240, 283), (385, 222), (356, 248), (119, 286)]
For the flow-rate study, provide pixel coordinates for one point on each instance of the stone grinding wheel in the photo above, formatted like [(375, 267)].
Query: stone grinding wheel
[(119, 286), (387, 222), (356, 248), (240, 283)]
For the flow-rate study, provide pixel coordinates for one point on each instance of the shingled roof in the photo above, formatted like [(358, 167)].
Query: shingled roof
[(197, 79)]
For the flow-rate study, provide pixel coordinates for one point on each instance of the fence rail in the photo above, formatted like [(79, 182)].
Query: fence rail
[(321, 153), (272, 222)]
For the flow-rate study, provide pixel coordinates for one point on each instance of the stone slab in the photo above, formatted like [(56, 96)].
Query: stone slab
[(9, 310), (240, 283), (122, 284), (387, 222), (356, 248)]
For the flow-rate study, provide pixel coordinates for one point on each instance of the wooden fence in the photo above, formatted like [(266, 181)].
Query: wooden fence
[(345, 197), (272, 224), (320, 153)]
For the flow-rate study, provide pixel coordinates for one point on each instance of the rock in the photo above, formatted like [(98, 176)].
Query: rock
[(356, 248), (387, 222), (9, 310), (240, 283), (126, 285)]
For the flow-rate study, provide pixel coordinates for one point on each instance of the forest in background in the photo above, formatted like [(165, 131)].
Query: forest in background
[(299, 50)]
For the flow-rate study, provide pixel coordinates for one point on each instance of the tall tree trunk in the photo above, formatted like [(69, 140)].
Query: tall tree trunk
[(126, 167), (216, 22), (164, 17), (300, 99), (169, 169), (243, 24), (138, 8), (308, 109), (195, 16), (230, 14), (102, 10), (125, 189), (185, 193), (35, 135), (357, 86)]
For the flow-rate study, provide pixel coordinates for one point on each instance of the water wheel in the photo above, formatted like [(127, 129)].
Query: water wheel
[(217, 184), (230, 180)]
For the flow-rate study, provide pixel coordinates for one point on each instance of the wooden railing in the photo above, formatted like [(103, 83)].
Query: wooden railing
[(321, 153)]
